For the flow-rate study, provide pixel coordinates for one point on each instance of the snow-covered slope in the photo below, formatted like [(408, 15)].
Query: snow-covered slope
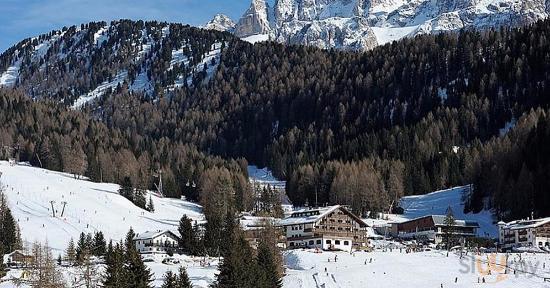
[(264, 176), (363, 24), (90, 207), (99, 57), (436, 203), (221, 22), (399, 269)]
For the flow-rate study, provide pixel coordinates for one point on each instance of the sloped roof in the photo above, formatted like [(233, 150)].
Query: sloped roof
[(525, 224), (439, 220), (152, 234), (305, 216)]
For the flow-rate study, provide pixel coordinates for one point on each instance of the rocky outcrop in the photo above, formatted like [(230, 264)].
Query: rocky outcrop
[(255, 20), (221, 22), (363, 24)]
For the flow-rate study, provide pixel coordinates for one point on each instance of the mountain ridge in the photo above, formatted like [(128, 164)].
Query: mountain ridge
[(364, 24)]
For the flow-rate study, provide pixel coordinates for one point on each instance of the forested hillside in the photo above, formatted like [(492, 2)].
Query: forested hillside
[(353, 128)]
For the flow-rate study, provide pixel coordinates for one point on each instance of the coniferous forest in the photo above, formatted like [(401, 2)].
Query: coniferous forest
[(353, 128)]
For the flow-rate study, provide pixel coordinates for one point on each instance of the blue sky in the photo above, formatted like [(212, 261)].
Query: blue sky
[(20, 19)]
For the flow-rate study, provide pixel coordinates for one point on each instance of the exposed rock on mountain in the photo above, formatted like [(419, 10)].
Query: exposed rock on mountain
[(221, 22), (255, 20), (364, 24)]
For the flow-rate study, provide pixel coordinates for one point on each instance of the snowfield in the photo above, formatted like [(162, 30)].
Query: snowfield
[(97, 206), (436, 203), (90, 207), (399, 269)]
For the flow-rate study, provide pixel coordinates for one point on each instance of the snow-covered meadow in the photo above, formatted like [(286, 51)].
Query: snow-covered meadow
[(89, 207), (423, 269)]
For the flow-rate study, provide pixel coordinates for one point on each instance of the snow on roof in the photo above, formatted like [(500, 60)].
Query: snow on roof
[(312, 215), (525, 224), (255, 222), (439, 220), (151, 234), (7, 256), (307, 215)]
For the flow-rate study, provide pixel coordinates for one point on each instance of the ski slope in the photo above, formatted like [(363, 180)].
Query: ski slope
[(395, 268), (90, 207), (264, 177), (436, 203)]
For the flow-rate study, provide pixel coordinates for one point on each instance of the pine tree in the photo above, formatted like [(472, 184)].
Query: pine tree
[(99, 246), (267, 268), (448, 234), (89, 243), (137, 274), (187, 237), (183, 279), (70, 253), (169, 280), (115, 272), (2, 266), (8, 226), (129, 241), (81, 247), (150, 205), (139, 198), (2, 269), (229, 230), (238, 268), (198, 243), (126, 189)]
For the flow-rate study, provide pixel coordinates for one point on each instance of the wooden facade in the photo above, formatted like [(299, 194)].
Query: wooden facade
[(328, 228)]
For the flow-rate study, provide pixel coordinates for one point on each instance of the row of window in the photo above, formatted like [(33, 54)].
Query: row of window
[(328, 242), (299, 227), (337, 242)]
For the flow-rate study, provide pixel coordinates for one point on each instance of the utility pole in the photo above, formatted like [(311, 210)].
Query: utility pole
[(63, 210), (53, 210)]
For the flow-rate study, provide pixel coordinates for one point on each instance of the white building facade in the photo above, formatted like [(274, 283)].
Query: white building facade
[(528, 234), (328, 228), (156, 242)]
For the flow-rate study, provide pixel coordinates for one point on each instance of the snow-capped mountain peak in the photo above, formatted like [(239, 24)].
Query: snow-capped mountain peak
[(255, 20), (364, 24), (221, 22)]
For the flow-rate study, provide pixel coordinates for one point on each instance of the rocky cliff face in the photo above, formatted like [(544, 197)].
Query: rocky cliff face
[(255, 20), (221, 22), (363, 24)]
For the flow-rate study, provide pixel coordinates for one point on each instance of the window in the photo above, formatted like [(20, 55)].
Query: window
[(346, 243), (319, 242), (336, 242), (291, 243), (328, 242), (311, 242)]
